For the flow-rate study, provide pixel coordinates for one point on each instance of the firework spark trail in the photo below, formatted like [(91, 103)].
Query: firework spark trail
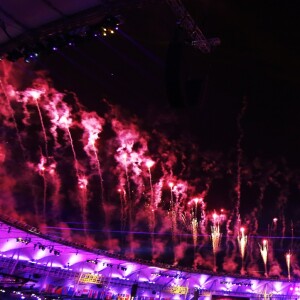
[(215, 238), (64, 121), (195, 232), (264, 254), (283, 230), (172, 213), (194, 221), (55, 108), (203, 218), (60, 116), (149, 163), (123, 203), (242, 240), (82, 184), (41, 168), (125, 156), (131, 154), (13, 118), (56, 197), (288, 263), (93, 127), (128, 210), (125, 164), (180, 192), (157, 192), (36, 95)]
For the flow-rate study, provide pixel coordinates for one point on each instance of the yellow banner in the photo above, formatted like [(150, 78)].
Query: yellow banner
[(90, 278), (182, 290)]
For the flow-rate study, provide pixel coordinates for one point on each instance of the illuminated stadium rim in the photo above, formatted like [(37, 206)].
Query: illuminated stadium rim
[(205, 283)]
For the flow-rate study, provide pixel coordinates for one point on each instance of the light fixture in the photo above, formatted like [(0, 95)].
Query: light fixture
[(92, 261), (25, 241)]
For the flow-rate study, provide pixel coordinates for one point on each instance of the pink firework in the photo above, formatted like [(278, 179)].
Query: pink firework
[(92, 125), (36, 96)]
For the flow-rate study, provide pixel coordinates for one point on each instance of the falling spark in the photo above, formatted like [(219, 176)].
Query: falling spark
[(288, 263), (264, 254)]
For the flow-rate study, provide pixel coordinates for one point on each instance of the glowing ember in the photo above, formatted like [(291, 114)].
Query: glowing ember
[(149, 163), (82, 183)]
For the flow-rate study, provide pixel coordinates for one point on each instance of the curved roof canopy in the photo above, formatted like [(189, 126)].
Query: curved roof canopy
[(29, 258)]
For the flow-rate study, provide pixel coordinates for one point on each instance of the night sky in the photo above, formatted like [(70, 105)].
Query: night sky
[(257, 61), (235, 108)]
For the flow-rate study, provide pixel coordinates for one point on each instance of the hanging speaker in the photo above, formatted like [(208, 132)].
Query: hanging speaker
[(133, 290)]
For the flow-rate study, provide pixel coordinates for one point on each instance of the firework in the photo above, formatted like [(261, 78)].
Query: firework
[(264, 254), (68, 149), (242, 240), (288, 263), (93, 127)]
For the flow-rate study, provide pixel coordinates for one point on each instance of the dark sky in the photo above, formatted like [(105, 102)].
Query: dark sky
[(257, 61)]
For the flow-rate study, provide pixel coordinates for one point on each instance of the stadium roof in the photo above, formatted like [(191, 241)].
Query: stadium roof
[(29, 259)]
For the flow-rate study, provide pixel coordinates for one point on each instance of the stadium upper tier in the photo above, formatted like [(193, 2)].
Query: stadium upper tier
[(47, 266)]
